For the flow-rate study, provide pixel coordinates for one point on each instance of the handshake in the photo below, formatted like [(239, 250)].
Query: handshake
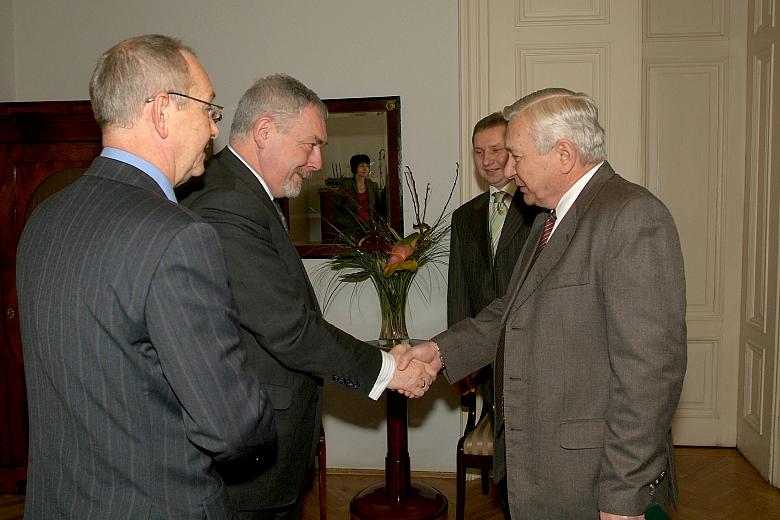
[(415, 368)]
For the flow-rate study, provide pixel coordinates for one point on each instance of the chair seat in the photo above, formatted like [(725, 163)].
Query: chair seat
[(480, 440)]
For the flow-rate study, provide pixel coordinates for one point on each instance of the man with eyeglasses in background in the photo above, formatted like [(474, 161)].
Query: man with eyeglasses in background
[(136, 377)]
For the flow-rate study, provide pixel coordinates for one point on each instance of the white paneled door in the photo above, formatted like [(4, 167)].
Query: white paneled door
[(669, 77), (758, 363)]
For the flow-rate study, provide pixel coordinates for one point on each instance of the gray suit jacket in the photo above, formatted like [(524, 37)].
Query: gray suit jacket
[(595, 356), (291, 346), (136, 379)]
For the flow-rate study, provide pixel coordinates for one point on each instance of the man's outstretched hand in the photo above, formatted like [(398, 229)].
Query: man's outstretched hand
[(413, 377)]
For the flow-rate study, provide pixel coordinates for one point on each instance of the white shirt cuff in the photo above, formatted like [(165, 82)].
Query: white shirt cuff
[(385, 375)]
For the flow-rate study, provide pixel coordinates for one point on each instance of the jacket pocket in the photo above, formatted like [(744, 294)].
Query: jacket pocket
[(280, 396), (584, 434), (567, 279)]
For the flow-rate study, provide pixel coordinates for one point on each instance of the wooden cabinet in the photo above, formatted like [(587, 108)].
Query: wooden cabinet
[(44, 146)]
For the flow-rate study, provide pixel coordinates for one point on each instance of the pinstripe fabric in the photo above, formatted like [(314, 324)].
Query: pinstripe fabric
[(474, 278), (135, 376), (290, 345)]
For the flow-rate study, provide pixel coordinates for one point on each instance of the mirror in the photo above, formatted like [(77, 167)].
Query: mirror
[(370, 126)]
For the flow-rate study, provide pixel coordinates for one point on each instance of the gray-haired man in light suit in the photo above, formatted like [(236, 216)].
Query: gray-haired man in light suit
[(590, 339)]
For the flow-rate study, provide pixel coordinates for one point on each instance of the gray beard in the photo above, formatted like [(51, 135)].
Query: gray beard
[(290, 188)]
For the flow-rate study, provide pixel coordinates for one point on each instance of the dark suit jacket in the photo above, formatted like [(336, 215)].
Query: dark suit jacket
[(475, 279), (291, 347), (595, 356), (136, 379)]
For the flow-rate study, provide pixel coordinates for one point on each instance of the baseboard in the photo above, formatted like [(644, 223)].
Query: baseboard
[(354, 472)]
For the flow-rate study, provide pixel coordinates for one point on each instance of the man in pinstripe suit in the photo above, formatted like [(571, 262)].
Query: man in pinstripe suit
[(486, 241), (482, 254), (136, 378)]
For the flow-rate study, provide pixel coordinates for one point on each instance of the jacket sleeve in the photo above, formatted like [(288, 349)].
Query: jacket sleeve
[(471, 343), (644, 301), (193, 325)]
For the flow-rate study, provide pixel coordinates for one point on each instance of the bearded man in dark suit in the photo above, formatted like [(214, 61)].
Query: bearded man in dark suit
[(589, 342), (136, 377), (275, 144)]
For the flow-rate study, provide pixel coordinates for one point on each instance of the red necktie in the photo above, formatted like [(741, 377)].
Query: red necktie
[(548, 227), (498, 376)]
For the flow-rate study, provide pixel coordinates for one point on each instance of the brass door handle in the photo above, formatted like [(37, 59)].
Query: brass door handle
[(10, 313)]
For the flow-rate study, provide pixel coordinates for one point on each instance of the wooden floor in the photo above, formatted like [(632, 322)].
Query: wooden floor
[(715, 484)]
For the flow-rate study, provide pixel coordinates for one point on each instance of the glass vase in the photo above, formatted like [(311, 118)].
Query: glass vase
[(393, 310)]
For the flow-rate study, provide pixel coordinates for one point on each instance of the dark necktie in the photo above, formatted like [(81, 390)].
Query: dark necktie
[(498, 376), (281, 215)]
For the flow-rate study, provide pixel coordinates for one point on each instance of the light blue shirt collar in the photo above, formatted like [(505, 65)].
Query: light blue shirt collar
[(145, 166)]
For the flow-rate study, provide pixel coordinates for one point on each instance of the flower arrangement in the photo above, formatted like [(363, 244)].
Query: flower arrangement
[(391, 261)]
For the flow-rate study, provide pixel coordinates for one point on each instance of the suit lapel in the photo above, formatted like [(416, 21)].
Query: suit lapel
[(521, 268), (512, 224), (246, 181), (478, 225), (559, 242)]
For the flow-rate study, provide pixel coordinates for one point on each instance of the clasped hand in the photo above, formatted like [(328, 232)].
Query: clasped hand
[(413, 377)]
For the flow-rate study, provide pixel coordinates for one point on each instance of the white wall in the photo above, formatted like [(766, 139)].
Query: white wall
[(339, 48), (6, 50)]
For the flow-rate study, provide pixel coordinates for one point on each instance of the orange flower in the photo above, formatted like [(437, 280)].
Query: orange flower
[(398, 258)]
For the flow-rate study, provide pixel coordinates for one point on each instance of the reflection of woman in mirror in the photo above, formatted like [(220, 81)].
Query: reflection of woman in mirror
[(365, 199)]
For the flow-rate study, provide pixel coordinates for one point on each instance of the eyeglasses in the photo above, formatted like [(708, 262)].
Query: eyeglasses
[(215, 111)]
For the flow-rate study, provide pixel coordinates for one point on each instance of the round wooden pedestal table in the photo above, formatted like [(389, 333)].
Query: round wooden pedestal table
[(398, 497)]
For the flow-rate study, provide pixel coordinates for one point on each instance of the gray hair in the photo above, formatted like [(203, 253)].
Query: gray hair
[(558, 113), (277, 96), (131, 71)]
